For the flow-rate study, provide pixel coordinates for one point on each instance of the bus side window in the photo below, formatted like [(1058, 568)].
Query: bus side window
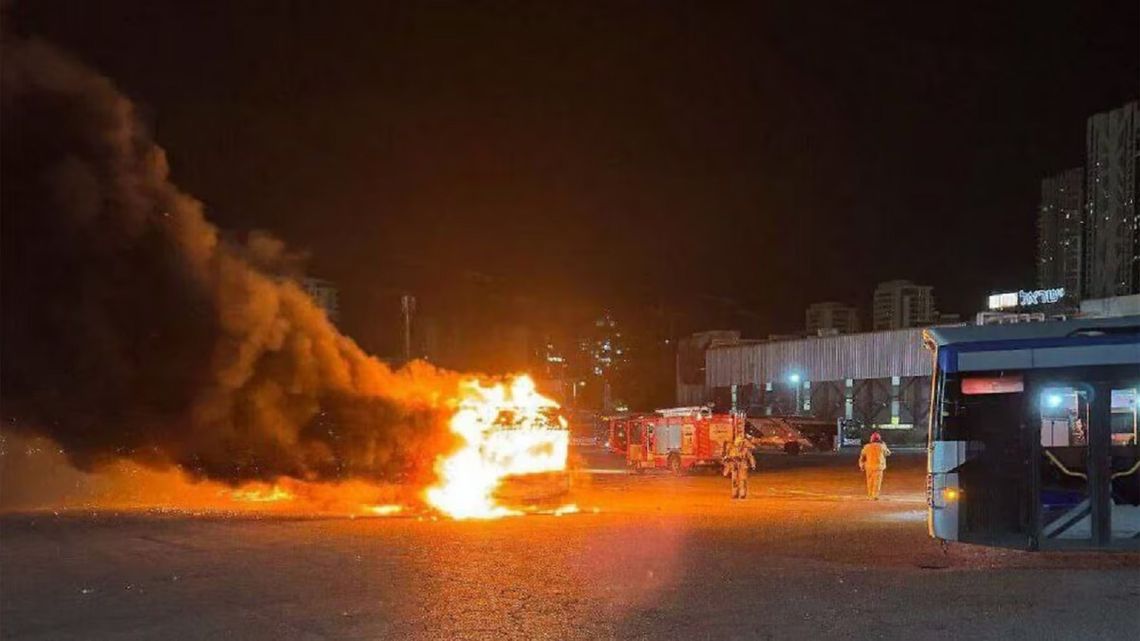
[(1064, 417), (1124, 416)]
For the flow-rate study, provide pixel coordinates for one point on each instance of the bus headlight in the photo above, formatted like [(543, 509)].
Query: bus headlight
[(951, 494)]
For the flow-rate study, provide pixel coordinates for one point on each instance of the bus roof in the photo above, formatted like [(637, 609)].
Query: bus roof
[(1100, 341), (1028, 331)]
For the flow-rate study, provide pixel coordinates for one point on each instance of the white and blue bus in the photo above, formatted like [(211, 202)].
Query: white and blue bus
[(1033, 438)]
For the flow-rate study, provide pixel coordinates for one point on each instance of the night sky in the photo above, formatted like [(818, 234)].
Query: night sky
[(604, 152)]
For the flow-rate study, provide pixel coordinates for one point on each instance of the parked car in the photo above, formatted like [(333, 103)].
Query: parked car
[(778, 435)]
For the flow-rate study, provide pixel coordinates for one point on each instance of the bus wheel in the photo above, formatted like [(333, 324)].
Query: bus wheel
[(675, 464)]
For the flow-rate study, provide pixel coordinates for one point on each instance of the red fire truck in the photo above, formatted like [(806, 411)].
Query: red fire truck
[(676, 439)]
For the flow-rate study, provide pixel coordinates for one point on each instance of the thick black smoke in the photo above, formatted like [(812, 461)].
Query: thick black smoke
[(131, 330)]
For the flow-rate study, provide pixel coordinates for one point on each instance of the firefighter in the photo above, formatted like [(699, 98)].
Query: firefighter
[(873, 462), (738, 460)]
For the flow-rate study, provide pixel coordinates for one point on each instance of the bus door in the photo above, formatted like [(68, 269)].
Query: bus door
[(986, 420), (1087, 470)]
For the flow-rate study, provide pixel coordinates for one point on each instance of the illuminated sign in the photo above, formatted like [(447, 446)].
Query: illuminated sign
[(993, 385), (1003, 301), (1040, 296), (1026, 299)]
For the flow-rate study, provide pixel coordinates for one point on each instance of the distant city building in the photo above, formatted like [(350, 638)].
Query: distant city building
[(324, 294), (899, 304), (603, 360), (1112, 224), (1060, 232), (552, 359), (602, 346), (822, 318)]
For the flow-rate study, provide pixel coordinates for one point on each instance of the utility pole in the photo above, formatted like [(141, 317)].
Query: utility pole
[(407, 308)]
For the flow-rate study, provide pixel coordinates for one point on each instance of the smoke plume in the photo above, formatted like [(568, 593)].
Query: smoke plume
[(131, 330)]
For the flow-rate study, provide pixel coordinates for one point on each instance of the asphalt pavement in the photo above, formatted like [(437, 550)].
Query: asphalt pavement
[(806, 556)]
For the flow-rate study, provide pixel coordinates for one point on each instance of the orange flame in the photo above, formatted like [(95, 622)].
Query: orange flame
[(570, 508), (271, 494), (389, 509), (505, 431)]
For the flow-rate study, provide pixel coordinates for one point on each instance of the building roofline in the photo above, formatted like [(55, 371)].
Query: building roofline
[(813, 339)]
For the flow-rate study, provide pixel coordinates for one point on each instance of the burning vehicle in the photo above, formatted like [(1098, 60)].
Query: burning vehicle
[(512, 456), (199, 354)]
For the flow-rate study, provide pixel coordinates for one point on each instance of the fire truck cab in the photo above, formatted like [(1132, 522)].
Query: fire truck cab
[(677, 439)]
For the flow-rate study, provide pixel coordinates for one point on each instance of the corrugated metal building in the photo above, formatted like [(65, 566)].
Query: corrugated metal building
[(878, 380)]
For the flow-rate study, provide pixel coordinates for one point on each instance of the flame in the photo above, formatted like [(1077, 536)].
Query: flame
[(385, 510), (505, 431), (569, 508), (272, 494)]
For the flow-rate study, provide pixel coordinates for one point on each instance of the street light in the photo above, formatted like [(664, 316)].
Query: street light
[(794, 379), (574, 391)]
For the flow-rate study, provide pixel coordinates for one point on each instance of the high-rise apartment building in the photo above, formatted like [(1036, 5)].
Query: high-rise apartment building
[(1060, 233), (900, 303), (1112, 223), (831, 317)]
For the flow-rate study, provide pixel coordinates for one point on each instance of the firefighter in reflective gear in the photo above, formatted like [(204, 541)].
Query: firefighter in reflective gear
[(737, 461), (873, 462)]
